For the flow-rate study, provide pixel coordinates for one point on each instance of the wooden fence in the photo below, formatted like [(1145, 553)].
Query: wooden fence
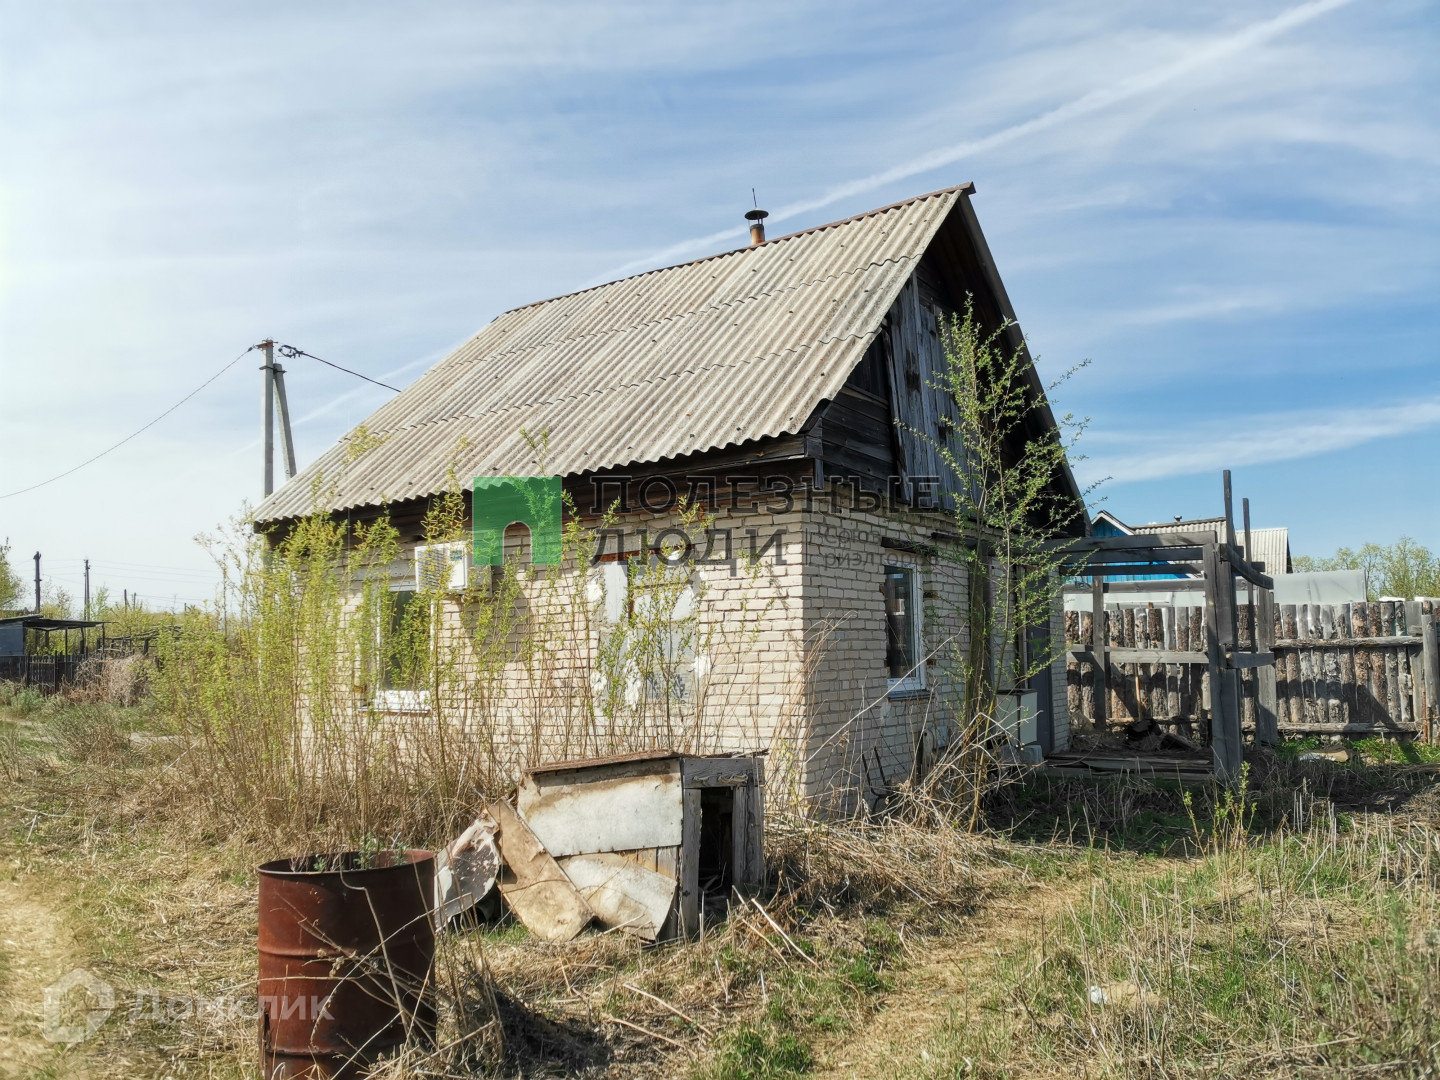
[(1352, 669), (45, 673)]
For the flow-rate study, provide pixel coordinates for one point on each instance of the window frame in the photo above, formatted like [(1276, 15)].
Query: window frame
[(914, 683), (388, 698)]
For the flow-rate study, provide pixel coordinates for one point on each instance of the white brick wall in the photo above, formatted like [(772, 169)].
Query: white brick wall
[(793, 660)]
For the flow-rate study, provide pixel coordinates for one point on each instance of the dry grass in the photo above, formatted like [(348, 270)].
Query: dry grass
[(1230, 942)]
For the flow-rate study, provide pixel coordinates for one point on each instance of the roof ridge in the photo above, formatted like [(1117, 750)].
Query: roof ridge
[(967, 188)]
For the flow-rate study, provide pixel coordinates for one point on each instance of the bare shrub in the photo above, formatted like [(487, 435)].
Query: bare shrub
[(11, 755), (877, 864), (91, 733), (111, 680), (322, 703)]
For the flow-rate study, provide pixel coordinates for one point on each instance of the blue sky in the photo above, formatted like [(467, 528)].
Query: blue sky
[(1232, 210)]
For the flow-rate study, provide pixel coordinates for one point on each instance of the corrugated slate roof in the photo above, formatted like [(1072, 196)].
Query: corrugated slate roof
[(737, 346)]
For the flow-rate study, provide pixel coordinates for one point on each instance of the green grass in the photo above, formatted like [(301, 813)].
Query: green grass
[(1254, 955), (1261, 949), (805, 1004)]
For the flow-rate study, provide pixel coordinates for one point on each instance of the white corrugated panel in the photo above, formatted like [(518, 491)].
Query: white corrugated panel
[(1272, 545)]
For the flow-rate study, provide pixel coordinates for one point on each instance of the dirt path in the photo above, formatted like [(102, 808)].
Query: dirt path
[(34, 952), (891, 1042)]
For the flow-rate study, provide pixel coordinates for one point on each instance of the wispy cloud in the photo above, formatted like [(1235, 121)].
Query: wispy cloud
[(1203, 56), (1244, 187), (1250, 440)]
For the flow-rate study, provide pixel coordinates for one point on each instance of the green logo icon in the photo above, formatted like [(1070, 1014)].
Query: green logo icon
[(501, 501)]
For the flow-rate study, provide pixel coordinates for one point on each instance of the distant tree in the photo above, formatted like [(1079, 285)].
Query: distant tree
[(57, 602), (12, 587), (1404, 568)]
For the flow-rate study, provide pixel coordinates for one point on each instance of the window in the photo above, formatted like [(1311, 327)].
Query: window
[(404, 655), (647, 617), (903, 657)]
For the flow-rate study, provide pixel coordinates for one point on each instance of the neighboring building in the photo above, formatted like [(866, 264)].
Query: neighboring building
[(30, 653), (1272, 546), (782, 384)]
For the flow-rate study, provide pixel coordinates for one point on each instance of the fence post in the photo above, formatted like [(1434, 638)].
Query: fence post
[(1267, 727), (1431, 657), (1225, 744), (1100, 646)]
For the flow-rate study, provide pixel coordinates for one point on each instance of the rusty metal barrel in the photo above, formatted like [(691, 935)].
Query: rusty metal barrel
[(346, 946)]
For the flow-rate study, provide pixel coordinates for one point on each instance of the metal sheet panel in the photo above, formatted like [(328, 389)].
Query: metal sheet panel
[(623, 894), (696, 357), (639, 809)]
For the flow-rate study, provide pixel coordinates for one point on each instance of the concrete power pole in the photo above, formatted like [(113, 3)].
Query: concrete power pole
[(269, 413), (83, 641), (37, 583), (287, 441)]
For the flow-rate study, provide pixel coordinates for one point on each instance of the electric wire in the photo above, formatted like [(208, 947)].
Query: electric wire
[(290, 352), (147, 427)]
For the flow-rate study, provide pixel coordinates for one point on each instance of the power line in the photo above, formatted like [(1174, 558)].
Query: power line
[(290, 351), (122, 442)]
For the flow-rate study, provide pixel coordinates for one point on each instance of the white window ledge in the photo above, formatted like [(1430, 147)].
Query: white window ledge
[(412, 702)]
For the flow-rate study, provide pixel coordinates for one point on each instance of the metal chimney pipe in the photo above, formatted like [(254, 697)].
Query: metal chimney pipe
[(757, 225)]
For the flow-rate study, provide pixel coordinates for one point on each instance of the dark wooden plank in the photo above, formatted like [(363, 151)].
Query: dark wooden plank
[(1134, 569), (1146, 555), (1137, 542), (1431, 654), (1347, 729), (1330, 666), (1102, 662), (1170, 585), (1266, 695), (1245, 660), (1376, 623), (1225, 731), (1344, 631), (1345, 642), (1392, 670), (1240, 566)]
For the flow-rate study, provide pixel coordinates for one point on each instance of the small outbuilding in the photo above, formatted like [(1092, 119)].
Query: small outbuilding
[(28, 652), (695, 821)]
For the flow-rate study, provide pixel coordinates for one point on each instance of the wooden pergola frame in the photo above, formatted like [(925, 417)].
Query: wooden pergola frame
[(1211, 565)]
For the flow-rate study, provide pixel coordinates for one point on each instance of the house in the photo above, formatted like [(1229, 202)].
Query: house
[(1272, 545), (780, 387)]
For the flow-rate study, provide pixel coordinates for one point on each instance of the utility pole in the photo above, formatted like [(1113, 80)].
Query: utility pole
[(87, 605), (37, 583), (269, 413)]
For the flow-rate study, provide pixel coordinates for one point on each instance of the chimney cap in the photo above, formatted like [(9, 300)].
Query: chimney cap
[(756, 215)]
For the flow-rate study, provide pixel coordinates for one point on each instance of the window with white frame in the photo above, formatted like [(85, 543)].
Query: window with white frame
[(904, 657), (646, 616), (404, 641)]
